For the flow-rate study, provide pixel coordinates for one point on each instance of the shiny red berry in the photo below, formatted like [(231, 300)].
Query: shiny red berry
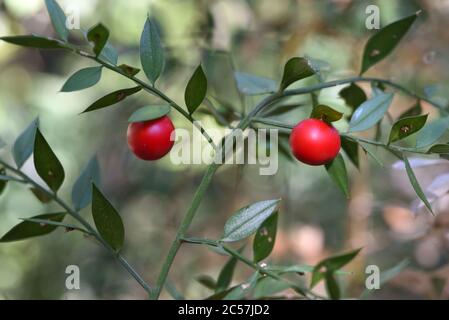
[(314, 142), (150, 140)]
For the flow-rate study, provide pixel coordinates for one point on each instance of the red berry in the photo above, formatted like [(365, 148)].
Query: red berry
[(314, 142), (150, 140)]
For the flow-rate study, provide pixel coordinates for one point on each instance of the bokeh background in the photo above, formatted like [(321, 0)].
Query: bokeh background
[(316, 220)]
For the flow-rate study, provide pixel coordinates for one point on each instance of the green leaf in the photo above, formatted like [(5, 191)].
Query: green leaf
[(128, 70), (415, 184), (337, 171), (370, 112), (384, 41), (332, 264), (112, 98), (82, 189), (248, 219), (33, 41), (41, 195), (151, 51), (24, 144), (26, 229), (406, 126), (370, 150), (58, 18), (295, 69), (107, 220), (2, 182), (47, 164), (239, 292), (99, 35), (254, 85), (353, 95), (207, 281), (109, 54), (413, 111), (196, 90), (332, 287), (439, 148), (432, 132), (226, 274), (351, 149), (68, 227), (82, 79), (265, 237), (267, 287), (325, 113), (281, 109), (149, 113)]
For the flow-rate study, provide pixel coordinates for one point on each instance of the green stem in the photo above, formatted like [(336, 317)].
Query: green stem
[(185, 223), (82, 221)]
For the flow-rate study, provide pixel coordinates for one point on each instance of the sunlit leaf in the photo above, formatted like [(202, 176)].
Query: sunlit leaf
[(265, 238), (24, 144), (151, 51), (112, 98), (415, 184), (27, 229), (384, 41), (295, 69), (196, 90), (370, 112), (337, 171), (82, 188), (149, 113), (99, 35), (47, 164), (58, 18), (107, 220), (406, 126), (82, 79), (248, 219), (254, 85)]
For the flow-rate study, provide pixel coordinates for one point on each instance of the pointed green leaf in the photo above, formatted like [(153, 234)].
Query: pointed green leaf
[(254, 85), (384, 41), (82, 79), (239, 292), (47, 164), (107, 220), (226, 274), (265, 237), (24, 144), (432, 132), (415, 184), (151, 51), (109, 54), (325, 113), (112, 98), (439, 148), (27, 229), (149, 113), (267, 287), (99, 35), (295, 69), (33, 41), (351, 149), (406, 126), (248, 219), (353, 95), (67, 227), (128, 70), (207, 281), (41, 195), (82, 189), (332, 288), (337, 171), (370, 112), (58, 19), (196, 90)]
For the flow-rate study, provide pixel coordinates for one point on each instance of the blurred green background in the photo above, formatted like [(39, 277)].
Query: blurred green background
[(252, 36)]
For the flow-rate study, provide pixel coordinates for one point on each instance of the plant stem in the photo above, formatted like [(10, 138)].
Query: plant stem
[(185, 223), (81, 220)]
